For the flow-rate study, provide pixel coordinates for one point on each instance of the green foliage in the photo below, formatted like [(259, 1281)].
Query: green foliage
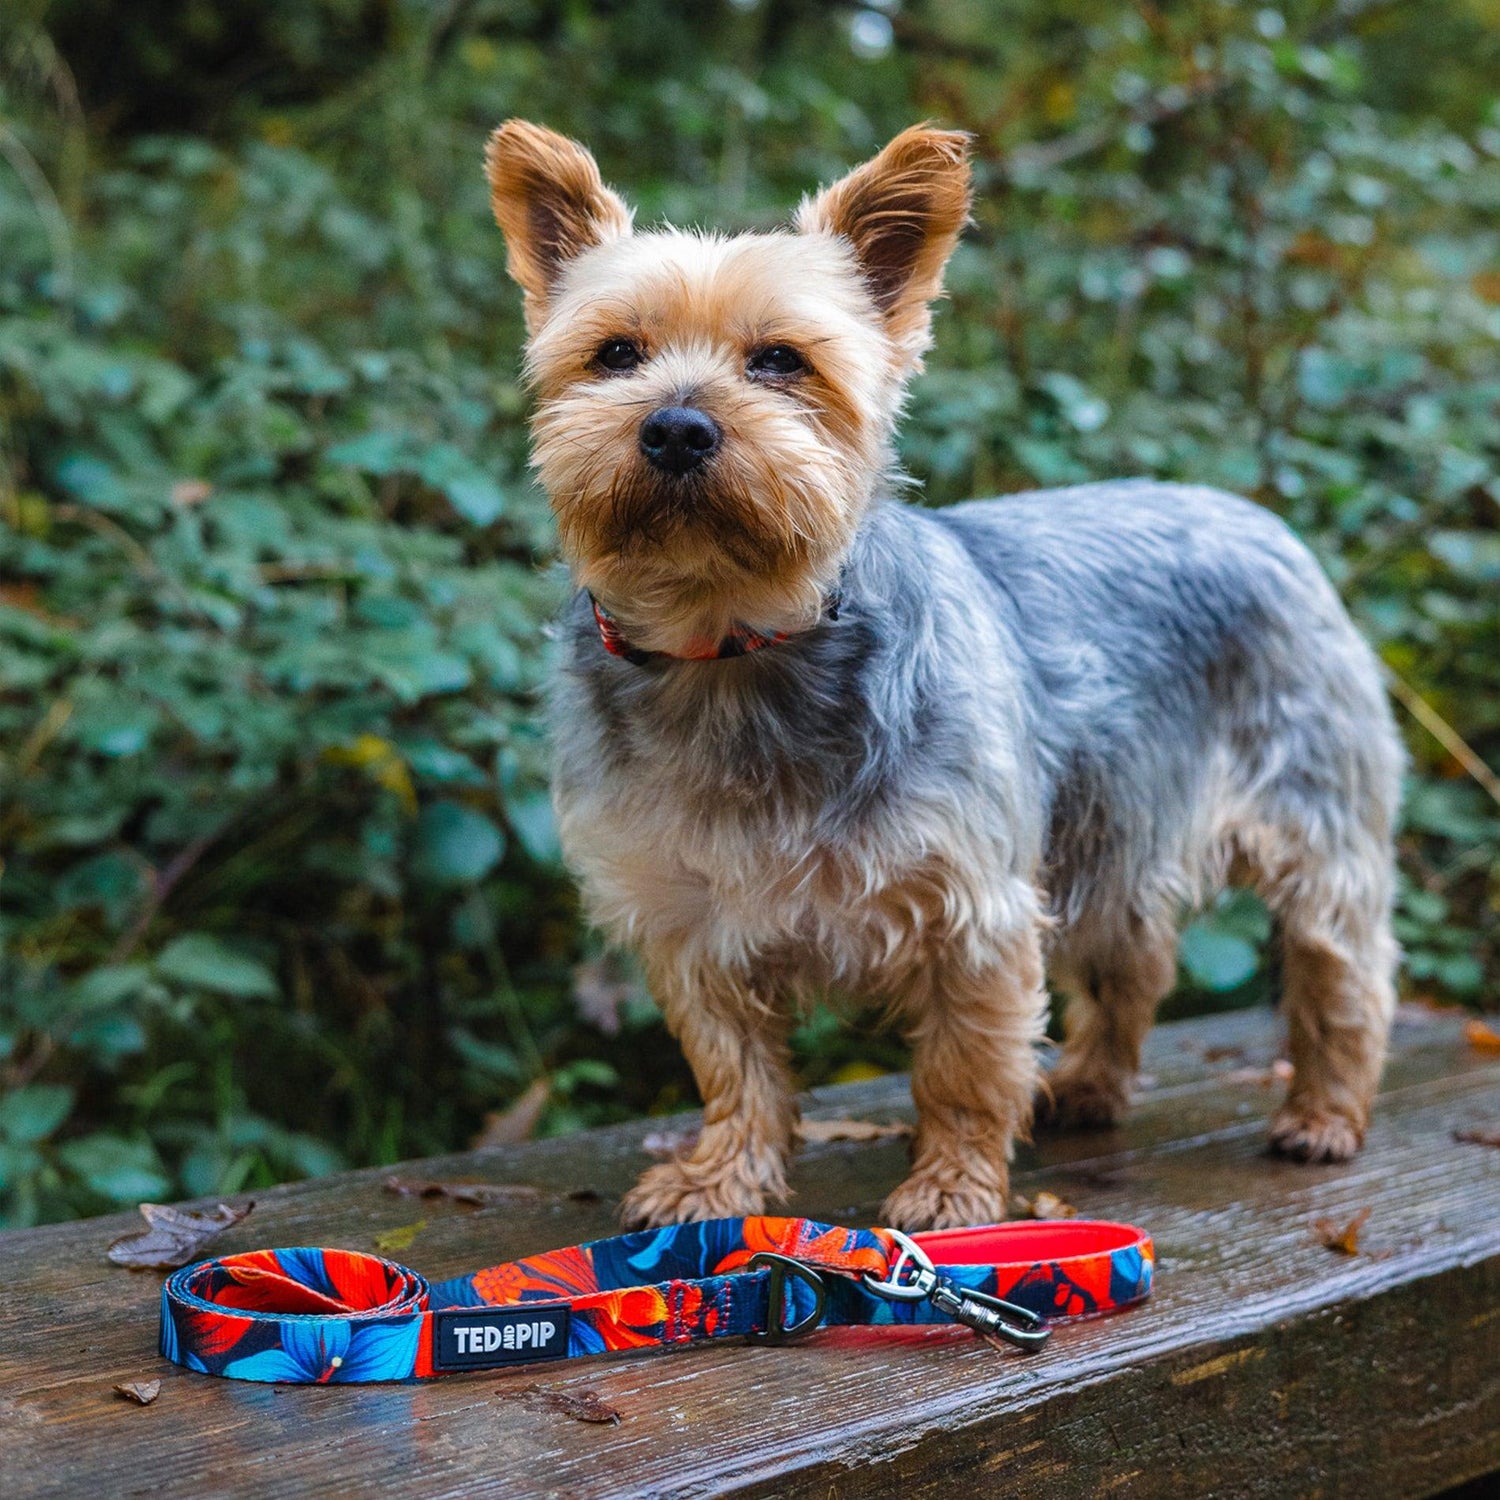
[(280, 887)]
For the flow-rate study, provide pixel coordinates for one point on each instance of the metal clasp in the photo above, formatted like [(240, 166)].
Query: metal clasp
[(912, 1277), (778, 1331)]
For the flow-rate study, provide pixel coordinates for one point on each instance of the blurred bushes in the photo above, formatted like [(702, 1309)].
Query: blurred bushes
[(280, 886)]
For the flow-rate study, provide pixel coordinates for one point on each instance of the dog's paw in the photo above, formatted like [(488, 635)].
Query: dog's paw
[(1313, 1135), (941, 1203), (676, 1192), (1080, 1103)]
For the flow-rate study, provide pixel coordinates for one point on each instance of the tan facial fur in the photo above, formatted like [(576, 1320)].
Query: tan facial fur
[(755, 537)]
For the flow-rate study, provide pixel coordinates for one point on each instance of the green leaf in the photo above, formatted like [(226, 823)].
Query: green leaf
[(374, 452), (198, 960), (107, 986), (126, 1171), (473, 494), (111, 881), (455, 845), (476, 497), (592, 1071), (1462, 973), (1215, 959), (90, 479), (107, 1038), (535, 825), (32, 1113), (1474, 554)]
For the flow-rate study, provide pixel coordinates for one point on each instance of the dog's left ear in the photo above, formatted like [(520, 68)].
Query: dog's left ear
[(902, 212), (550, 203)]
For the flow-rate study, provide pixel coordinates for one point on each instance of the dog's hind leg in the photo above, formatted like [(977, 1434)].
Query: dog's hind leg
[(1113, 986), (1339, 961)]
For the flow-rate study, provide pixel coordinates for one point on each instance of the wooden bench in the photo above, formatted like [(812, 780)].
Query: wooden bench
[(1265, 1364)]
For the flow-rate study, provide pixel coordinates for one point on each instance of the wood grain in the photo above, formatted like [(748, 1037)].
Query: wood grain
[(1264, 1365)]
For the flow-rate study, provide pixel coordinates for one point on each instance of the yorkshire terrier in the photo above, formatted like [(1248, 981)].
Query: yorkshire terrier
[(808, 737)]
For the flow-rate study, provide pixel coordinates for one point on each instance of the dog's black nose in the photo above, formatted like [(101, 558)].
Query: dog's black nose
[(678, 438)]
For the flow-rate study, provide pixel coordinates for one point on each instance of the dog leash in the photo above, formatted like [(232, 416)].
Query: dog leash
[(340, 1316)]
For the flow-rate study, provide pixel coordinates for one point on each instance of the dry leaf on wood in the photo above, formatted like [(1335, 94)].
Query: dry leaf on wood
[(1479, 1135), (475, 1194), (1223, 1054), (602, 988), (507, 1127), (389, 1241), (1044, 1206), (1278, 1072), (669, 1143), (142, 1392), (1425, 1010), (582, 1406), (1343, 1240), (174, 1236), (1480, 1037), (818, 1131)]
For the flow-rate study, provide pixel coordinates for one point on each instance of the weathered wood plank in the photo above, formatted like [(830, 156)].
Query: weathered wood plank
[(1265, 1364)]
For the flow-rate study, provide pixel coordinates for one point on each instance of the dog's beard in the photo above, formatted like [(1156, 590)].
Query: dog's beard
[(692, 521), (682, 562), (708, 525)]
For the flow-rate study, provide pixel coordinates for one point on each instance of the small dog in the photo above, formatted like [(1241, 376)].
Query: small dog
[(809, 737)]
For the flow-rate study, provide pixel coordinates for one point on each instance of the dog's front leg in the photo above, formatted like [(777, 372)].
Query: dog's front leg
[(733, 1034), (974, 1072)]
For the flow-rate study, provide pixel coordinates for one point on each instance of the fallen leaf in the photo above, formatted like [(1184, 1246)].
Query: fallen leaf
[(23, 596), (187, 492), (1479, 1135), (1044, 1206), (582, 1406), (1223, 1054), (1480, 1037), (819, 1131), (1262, 1076), (475, 1194), (669, 1143), (174, 1236), (1343, 1241), (602, 988), (1278, 1072), (142, 1392), (857, 1070), (391, 1240), (508, 1127), (1425, 1010)]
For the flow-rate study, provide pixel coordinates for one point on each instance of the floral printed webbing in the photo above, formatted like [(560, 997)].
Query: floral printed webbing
[(332, 1316)]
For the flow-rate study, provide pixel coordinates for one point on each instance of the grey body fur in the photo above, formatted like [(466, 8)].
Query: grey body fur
[(1136, 685)]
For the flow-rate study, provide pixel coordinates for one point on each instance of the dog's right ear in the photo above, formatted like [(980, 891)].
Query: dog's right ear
[(550, 204)]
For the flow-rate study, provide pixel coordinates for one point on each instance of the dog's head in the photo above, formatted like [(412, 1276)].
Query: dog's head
[(714, 412)]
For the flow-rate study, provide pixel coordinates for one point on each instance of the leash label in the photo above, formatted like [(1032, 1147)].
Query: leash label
[(477, 1338)]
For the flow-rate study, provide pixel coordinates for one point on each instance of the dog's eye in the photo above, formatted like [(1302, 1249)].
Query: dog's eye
[(619, 354), (776, 359)]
